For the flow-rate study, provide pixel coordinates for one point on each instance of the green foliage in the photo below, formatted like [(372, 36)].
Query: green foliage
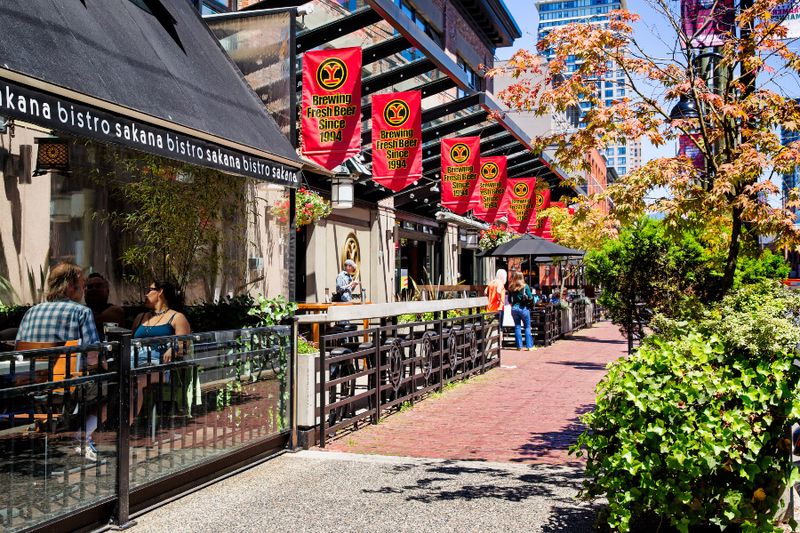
[(694, 426), (674, 274), (407, 318), (272, 311), (227, 313), (304, 347)]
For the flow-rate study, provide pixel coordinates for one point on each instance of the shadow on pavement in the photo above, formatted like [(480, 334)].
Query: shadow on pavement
[(571, 520), (580, 365), (543, 444), (484, 482), (595, 340)]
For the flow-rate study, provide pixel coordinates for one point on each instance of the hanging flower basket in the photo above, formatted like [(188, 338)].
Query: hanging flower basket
[(496, 235), (310, 207)]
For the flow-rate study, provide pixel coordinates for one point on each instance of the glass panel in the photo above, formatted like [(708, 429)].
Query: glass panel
[(196, 398), (258, 47), (49, 467)]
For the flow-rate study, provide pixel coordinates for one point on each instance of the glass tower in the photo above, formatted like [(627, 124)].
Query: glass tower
[(622, 157)]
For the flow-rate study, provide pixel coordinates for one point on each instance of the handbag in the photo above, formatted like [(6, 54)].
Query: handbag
[(508, 320)]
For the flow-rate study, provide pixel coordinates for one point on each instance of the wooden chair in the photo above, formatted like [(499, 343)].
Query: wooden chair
[(59, 373)]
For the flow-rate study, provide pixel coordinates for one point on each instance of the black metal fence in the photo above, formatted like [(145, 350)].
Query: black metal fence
[(153, 409), (365, 373)]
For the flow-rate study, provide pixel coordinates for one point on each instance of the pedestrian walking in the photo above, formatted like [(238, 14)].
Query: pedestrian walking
[(520, 297)]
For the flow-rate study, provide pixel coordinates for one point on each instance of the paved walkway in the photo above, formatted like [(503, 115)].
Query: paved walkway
[(527, 411), (489, 455)]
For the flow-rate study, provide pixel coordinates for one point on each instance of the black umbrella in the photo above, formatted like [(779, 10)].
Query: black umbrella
[(534, 247)]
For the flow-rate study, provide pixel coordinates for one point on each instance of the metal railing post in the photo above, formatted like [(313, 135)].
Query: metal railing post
[(293, 386), (123, 356), (440, 327), (323, 394), (376, 337)]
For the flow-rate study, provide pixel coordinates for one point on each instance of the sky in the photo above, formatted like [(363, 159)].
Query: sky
[(648, 35)]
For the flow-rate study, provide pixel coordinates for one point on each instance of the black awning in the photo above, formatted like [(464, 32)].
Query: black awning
[(152, 61)]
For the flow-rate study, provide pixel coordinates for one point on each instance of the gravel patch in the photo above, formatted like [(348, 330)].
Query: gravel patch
[(332, 492)]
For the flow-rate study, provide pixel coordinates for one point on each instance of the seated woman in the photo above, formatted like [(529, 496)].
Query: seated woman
[(163, 320)]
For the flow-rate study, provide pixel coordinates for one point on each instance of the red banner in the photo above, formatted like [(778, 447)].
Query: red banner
[(544, 225), (460, 161), (488, 195), (708, 22), (519, 203), (331, 112), (688, 148), (397, 139)]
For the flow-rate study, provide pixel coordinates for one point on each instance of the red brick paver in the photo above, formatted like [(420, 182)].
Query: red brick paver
[(526, 411)]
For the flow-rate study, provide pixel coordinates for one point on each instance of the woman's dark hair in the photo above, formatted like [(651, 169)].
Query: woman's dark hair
[(517, 282), (172, 295)]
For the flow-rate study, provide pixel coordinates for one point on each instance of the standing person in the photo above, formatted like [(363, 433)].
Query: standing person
[(345, 284), (96, 297), (496, 291), (520, 298), (63, 318)]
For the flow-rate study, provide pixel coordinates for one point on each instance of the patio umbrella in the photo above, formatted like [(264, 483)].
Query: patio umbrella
[(534, 247)]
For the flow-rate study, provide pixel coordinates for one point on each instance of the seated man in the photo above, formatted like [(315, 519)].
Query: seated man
[(60, 319), (345, 284), (96, 298)]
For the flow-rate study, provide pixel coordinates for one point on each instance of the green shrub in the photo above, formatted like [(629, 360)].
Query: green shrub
[(694, 426), (272, 311)]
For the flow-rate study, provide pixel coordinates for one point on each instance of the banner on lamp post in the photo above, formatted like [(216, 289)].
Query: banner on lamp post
[(519, 204), (460, 162), (397, 139), (544, 225), (488, 194), (708, 23), (331, 106), (687, 147)]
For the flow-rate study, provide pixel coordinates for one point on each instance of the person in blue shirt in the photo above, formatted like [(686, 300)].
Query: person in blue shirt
[(345, 284), (520, 297), (60, 319)]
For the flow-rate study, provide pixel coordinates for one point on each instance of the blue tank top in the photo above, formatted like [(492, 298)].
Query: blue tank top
[(160, 330)]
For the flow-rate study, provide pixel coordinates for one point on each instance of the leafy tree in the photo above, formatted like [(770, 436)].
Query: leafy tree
[(736, 131), (649, 269)]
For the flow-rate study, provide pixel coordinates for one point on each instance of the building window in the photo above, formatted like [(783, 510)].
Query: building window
[(473, 79), (412, 53), (212, 7)]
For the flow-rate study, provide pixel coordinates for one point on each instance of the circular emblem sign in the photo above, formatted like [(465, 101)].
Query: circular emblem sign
[(520, 190), (490, 171), (331, 74), (459, 153), (396, 113), (539, 200)]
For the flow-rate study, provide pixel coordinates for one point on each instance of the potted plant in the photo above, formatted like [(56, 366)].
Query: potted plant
[(496, 235), (310, 207)]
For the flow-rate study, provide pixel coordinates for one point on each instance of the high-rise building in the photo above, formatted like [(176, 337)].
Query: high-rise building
[(554, 13), (789, 181)]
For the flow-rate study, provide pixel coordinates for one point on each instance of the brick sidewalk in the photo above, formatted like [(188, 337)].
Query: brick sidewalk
[(526, 411)]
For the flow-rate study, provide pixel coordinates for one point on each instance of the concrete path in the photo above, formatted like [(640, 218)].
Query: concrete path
[(527, 411), (487, 455), (335, 492)]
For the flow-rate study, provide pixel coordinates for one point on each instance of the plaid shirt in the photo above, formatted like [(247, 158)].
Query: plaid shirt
[(59, 321)]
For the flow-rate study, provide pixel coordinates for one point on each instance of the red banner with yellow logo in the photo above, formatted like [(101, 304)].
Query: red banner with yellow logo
[(488, 195), (397, 139), (544, 226), (519, 204), (331, 108), (460, 162)]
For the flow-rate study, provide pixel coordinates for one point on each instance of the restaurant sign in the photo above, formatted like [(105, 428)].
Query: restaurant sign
[(460, 161), (397, 139), (61, 114), (491, 188)]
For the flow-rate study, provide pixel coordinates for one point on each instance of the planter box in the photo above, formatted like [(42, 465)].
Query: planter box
[(307, 399)]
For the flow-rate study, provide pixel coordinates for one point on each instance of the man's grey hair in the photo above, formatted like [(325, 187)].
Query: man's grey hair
[(61, 278)]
